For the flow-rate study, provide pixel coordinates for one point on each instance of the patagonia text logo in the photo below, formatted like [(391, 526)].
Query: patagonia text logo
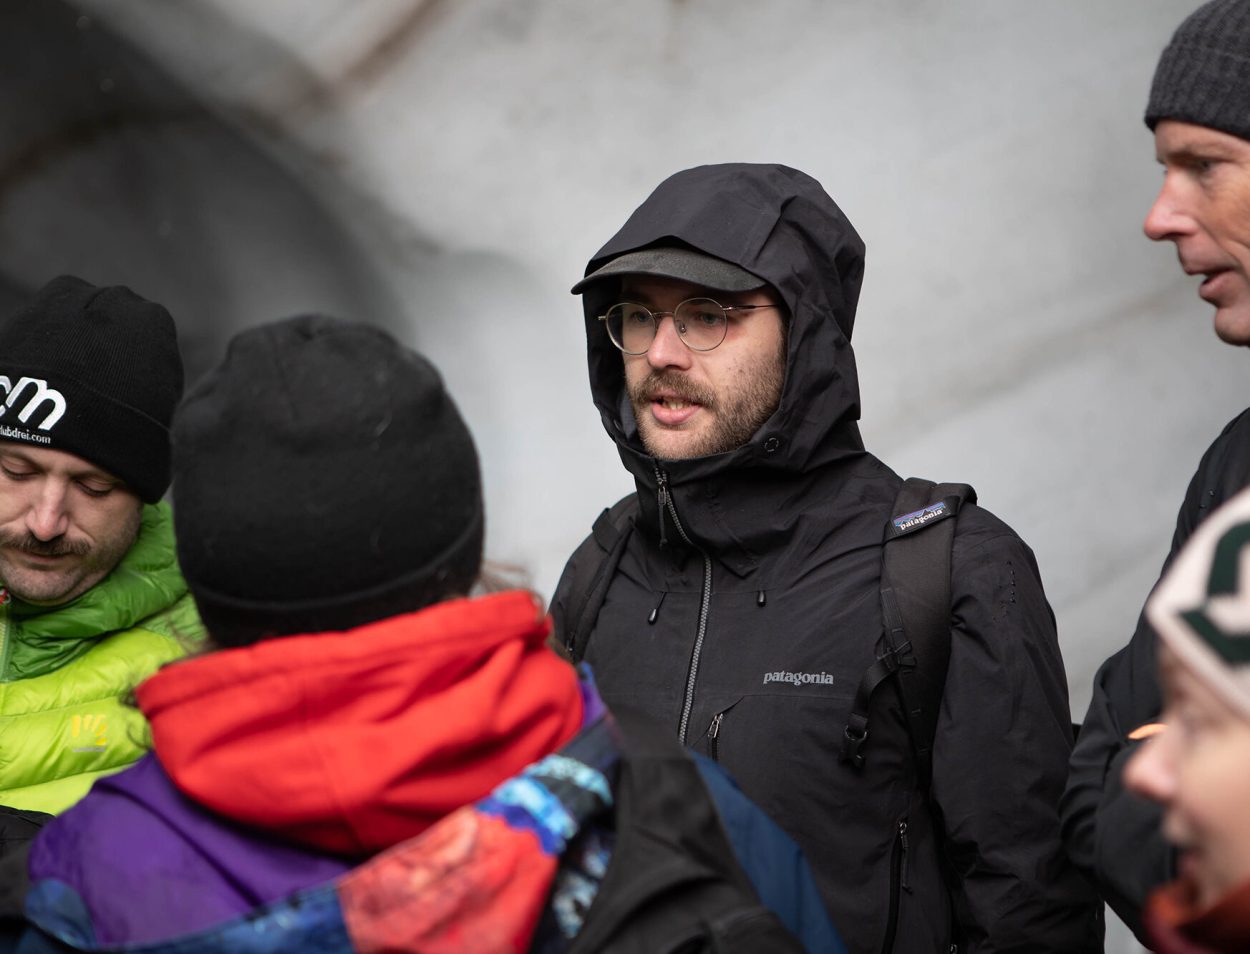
[(89, 733), (919, 518), (799, 678), (37, 395)]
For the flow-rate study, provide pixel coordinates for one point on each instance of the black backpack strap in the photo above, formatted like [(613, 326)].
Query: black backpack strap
[(592, 568), (916, 610)]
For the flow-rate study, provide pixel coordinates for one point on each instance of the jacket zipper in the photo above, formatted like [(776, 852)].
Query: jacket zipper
[(6, 625), (898, 880), (713, 735), (666, 506), (906, 868)]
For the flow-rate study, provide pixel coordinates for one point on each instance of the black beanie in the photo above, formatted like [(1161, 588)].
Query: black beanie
[(1203, 76), (323, 479), (94, 372)]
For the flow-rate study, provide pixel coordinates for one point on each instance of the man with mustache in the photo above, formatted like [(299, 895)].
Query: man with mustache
[(1199, 112), (91, 597), (737, 595)]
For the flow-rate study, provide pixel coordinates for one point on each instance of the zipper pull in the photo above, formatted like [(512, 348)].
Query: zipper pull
[(713, 733), (661, 480), (760, 598)]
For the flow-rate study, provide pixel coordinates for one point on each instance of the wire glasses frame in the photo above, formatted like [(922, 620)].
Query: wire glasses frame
[(701, 324)]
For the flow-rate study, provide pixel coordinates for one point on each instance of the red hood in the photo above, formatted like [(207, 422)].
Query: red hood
[(1177, 925), (352, 742)]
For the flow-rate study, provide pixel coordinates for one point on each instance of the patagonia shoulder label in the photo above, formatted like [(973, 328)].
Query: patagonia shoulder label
[(918, 518)]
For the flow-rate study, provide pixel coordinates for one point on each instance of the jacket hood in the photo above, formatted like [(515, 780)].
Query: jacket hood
[(780, 225), (1175, 922), (351, 742)]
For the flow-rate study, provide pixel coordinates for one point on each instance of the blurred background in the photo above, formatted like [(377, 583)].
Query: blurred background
[(446, 169)]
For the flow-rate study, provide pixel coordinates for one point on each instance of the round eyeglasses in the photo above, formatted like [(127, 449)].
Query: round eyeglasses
[(701, 324)]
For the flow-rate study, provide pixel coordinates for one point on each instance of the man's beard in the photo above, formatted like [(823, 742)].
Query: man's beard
[(29, 543), (734, 418)]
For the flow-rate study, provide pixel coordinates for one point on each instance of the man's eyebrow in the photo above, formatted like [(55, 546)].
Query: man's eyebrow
[(87, 473), (1188, 151), (91, 472), (100, 475), (16, 454)]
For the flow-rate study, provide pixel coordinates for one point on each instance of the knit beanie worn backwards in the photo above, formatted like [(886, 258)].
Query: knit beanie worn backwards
[(1203, 76), (94, 372), (323, 479), (1201, 607)]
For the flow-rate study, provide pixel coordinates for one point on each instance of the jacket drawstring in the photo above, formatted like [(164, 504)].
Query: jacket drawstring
[(655, 613)]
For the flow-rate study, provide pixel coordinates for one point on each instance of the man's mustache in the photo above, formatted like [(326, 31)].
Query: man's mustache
[(674, 383), (28, 543)]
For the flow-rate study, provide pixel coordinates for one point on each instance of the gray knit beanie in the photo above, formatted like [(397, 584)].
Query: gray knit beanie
[(1203, 76)]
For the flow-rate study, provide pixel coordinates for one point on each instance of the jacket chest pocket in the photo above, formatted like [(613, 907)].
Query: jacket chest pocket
[(761, 733)]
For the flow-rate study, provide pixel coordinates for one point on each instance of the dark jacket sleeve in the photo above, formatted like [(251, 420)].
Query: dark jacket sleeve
[(772, 861), (1110, 833), (1001, 756)]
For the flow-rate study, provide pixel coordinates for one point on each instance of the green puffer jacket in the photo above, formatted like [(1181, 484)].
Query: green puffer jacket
[(66, 671)]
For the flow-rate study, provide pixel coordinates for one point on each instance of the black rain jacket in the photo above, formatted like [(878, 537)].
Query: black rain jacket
[(1111, 833), (745, 609)]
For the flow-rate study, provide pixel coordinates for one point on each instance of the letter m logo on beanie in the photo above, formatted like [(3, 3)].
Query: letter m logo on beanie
[(28, 396), (1201, 607), (1225, 588)]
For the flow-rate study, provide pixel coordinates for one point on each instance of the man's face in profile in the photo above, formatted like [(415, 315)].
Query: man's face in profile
[(1204, 209)]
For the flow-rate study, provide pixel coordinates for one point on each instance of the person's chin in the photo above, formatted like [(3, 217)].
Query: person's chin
[(670, 444), (41, 588), (1232, 323)]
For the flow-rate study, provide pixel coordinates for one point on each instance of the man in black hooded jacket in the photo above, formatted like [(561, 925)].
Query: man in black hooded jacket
[(744, 608), (1199, 112)]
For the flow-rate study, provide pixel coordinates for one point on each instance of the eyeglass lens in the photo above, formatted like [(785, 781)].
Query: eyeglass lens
[(700, 322)]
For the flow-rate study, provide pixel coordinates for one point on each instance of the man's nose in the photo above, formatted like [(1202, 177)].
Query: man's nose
[(48, 516), (667, 349), (1166, 219)]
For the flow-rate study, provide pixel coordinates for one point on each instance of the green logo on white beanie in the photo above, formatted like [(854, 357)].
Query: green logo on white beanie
[(1201, 607)]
